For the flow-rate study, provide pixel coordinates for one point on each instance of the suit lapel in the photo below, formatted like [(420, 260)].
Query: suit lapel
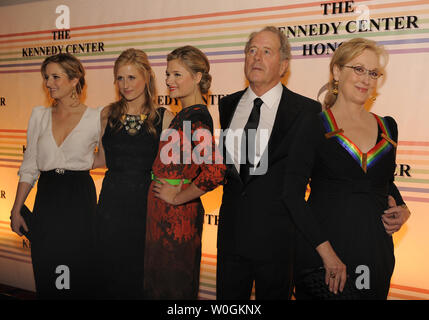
[(226, 113), (286, 113), (228, 109)]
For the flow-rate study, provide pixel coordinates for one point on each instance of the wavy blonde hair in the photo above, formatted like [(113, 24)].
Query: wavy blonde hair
[(348, 51), (138, 59)]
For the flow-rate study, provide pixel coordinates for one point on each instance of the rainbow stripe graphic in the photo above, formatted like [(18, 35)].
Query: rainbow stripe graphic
[(365, 160), (221, 35)]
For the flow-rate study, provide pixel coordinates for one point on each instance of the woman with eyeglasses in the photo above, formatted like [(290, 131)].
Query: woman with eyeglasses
[(348, 155)]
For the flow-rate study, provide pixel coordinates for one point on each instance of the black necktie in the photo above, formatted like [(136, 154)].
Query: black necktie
[(248, 157)]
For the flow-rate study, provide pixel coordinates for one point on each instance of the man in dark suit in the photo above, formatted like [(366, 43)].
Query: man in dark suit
[(255, 232)]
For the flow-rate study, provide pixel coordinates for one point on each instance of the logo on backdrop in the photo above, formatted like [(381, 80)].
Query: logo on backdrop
[(209, 99), (211, 219), (362, 23), (26, 244), (2, 101), (402, 170), (63, 32)]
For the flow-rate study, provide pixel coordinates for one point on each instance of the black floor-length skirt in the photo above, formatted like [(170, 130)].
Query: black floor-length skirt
[(121, 234), (63, 244)]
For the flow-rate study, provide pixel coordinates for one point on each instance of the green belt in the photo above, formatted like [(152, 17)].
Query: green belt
[(173, 182)]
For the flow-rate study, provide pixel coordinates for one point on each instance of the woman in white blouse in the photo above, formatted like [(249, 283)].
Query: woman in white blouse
[(60, 152)]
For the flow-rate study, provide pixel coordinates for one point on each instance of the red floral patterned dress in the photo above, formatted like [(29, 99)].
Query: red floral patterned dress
[(173, 233)]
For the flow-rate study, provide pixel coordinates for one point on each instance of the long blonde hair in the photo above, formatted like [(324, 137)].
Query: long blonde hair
[(343, 54), (138, 59)]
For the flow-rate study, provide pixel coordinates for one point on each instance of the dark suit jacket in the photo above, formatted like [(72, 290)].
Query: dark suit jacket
[(253, 222)]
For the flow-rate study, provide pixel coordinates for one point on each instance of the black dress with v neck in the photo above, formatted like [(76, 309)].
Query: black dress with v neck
[(349, 193)]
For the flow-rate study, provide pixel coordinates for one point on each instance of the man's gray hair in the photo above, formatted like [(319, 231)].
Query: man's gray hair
[(284, 43)]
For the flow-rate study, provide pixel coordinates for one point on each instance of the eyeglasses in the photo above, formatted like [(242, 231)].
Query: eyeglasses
[(359, 70)]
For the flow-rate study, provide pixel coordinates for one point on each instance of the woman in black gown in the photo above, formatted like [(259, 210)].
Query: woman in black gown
[(348, 154), (130, 136)]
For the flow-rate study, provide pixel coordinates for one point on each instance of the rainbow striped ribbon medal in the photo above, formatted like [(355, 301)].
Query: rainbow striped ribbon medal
[(365, 160)]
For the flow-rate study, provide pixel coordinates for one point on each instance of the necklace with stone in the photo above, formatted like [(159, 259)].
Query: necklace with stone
[(133, 123)]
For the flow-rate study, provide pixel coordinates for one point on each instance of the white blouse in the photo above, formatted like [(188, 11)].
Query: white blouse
[(43, 153)]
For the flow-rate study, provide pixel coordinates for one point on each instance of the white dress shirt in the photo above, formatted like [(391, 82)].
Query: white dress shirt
[(43, 154), (271, 101)]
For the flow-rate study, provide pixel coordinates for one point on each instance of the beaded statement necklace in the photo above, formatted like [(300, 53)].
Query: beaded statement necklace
[(133, 123)]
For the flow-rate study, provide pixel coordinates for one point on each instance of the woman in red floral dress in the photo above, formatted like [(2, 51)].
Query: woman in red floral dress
[(187, 166)]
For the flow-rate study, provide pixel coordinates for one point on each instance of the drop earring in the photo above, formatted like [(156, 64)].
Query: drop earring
[(335, 88), (74, 94)]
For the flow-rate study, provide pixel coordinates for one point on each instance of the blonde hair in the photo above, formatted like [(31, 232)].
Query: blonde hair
[(348, 51), (195, 61), (138, 59), (71, 66)]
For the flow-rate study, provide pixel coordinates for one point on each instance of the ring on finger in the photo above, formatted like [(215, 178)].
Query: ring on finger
[(332, 275)]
